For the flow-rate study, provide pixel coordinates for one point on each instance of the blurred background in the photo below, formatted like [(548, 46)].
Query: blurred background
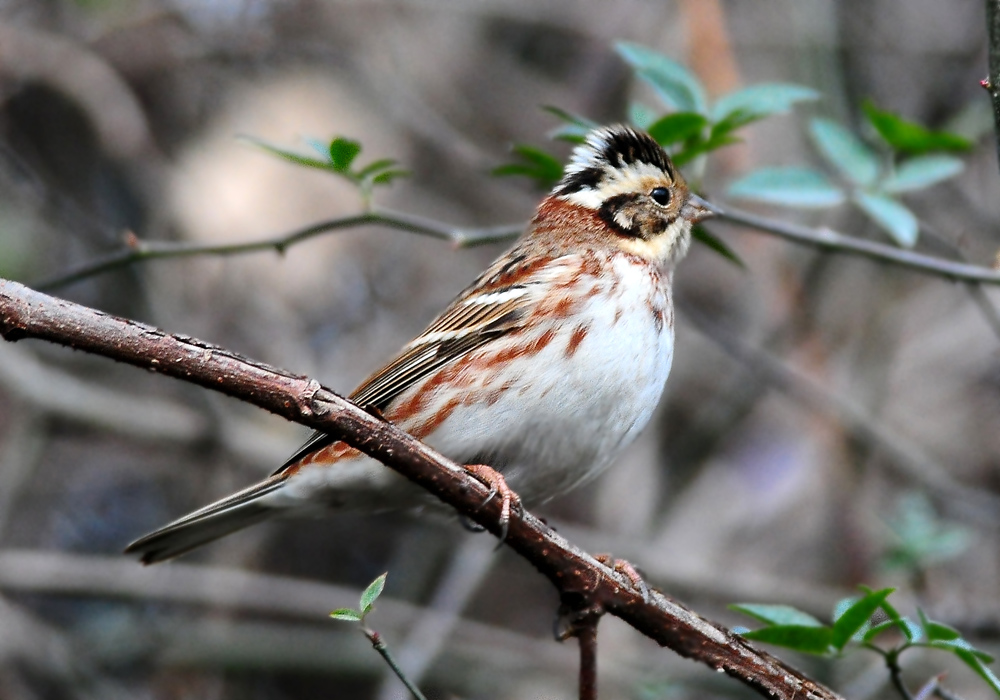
[(829, 421)]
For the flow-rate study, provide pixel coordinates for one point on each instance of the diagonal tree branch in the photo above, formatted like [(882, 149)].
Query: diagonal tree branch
[(582, 581)]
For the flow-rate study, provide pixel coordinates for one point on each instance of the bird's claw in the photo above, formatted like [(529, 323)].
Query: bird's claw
[(631, 573), (498, 486)]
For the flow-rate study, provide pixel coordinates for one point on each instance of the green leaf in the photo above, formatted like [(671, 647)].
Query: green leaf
[(374, 167), (936, 631), (920, 172), (760, 101), (641, 116), (697, 147), (854, 618), (845, 151), (541, 166), (719, 246), (924, 538), (343, 151), (977, 665), (808, 639), (911, 137), (784, 615), (898, 221), (291, 156), (674, 83), (372, 593), (348, 614), (679, 126), (909, 628), (875, 630), (384, 178), (575, 128), (789, 186)]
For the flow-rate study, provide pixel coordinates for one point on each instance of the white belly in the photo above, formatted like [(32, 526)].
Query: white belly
[(567, 417), (561, 420)]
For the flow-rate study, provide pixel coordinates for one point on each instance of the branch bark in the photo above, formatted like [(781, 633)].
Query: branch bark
[(582, 581)]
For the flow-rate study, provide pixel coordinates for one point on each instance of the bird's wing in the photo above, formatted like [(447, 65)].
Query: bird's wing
[(496, 304)]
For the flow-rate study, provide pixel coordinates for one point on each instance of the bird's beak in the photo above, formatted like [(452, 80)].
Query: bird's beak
[(697, 209)]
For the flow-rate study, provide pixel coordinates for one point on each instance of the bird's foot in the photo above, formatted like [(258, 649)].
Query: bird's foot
[(498, 486), (631, 573)]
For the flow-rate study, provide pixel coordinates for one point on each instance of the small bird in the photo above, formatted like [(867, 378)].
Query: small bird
[(536, 376)]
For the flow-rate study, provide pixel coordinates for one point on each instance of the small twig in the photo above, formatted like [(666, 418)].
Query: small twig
[(141, 251), (585, 630), (896, 673), (992, 83), (380, 646), (929, 687), (839, 243)]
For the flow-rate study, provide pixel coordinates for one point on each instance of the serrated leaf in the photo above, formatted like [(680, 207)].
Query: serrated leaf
[(371, 594), (784, 615), (343, 151), (910, 137), (936, 631), (977, 665), (348, 614), (291, 156), (920, 172), (845, 151), (898, 221), (790, 187), (719, 246), (679, 126), (856, 616), (760, 101), (674, 83), (808, 639)]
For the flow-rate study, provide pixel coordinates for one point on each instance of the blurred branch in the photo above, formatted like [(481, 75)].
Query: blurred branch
[(138, 250), (29, 55), (839, 243), (56, 392), (908, 459), (992, 82), (582, 581)]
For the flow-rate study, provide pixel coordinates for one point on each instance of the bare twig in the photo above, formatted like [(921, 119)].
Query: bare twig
[(380, 646), (896, 674), (584, 627), (577, 575), (839, 243), (140, 251), (992, 83)]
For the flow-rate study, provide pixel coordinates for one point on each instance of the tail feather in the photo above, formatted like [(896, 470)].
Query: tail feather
[(215, 520)]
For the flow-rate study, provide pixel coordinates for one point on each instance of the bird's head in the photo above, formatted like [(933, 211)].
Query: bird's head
[(624, 176)]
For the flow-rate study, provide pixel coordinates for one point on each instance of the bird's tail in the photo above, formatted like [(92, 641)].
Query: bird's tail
[(215, 520)]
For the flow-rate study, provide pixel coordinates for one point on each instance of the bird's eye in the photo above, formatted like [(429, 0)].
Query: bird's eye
[(660, 195)]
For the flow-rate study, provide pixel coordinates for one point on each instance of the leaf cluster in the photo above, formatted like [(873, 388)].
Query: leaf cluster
[(339, 157), (858, 623), (365, 605), (906, 157)]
